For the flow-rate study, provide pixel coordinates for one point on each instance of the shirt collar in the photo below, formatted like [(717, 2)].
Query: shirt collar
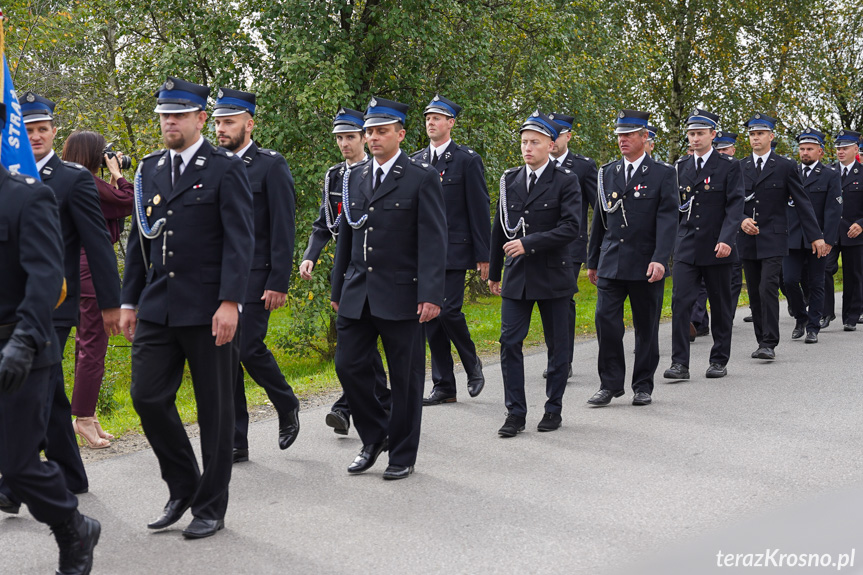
[(559, 161), (635, 164), (386, 167), (706, 156), (441, 149), (539, 171), (41, 163), (763, 158), (348, 164), (189, 152), (242, 152)]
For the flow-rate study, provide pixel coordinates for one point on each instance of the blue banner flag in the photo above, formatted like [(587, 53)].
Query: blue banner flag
[(16, 155)]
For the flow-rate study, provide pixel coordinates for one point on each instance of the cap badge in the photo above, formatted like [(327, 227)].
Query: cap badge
[(551, 116), (169, 85), (757, 116), (221, 94), (372, 103), (535, 113), (341, 111), (436, 98), (841, 132), (31, 97), (695, 112)]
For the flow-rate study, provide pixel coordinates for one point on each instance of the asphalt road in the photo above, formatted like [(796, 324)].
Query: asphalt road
[(765, 460)]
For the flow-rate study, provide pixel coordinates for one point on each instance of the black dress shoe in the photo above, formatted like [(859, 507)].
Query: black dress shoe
[(676, 371), (642, 398), (9, 506), (748, 318), (825, 320), (289, 428), (367, 457), (174, 510), (398, 471), (475, 380), (511, 426), (549, 422), (339, 421), (604, 397), (200, 528), (849, 327), (716, 370), (436, 397), (811, 337), (764, 353), (76, 537), (702, 331), (239, 455), (568, 376), (799, 330)]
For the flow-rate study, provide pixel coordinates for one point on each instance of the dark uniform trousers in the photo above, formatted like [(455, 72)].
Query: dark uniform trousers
[(158, 357), (259, 362), (699, 316), (466, 198), (715, 210), (762, 254), (795, 264), (318, 239), (852, 279), (544, 276)]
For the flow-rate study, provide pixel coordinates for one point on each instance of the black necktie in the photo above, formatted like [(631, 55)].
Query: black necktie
[(531, 182), (844, 171), (629, 169), (758, 165), (699, 165), (806, 171), (434, 158), (178, 161), (379, 175)]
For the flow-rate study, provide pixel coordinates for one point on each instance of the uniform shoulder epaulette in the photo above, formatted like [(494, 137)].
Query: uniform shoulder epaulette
[(23, 178), (509, 171), (156, 154), (727, 157), (267, 152), (666, 164), (606, 164), (335, 167), (74, 165), (412, 154), (683, 159), (585, 158)]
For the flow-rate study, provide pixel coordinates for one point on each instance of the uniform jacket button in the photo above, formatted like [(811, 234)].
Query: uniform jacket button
[(371, 209), (170, 212), (370, 268), (171, 274), (170, 254), (170, 232)]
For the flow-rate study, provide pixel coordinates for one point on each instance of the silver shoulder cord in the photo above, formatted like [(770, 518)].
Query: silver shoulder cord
[(503, 214), (346, 204), (333, 226), (601, 201), (144, 229), (686, 207)]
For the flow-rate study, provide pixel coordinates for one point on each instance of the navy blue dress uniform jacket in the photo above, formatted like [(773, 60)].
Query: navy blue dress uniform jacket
[(624, 252), (585, 169), (852, 204), (31, 257), (824, 188), (716, 194), (398, 258), (209, 239), (275, 207), (320, 233), (468, 212), (769, 193), (82, 223), (552, 215)]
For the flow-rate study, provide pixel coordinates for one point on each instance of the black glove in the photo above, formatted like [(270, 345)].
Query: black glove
[(16, 359)]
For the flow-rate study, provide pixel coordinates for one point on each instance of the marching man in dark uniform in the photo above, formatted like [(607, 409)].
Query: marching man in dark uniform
[(542, 202), (82, 224), (348, 128), (850, 235), (31, 257), (388, 280), (631, 239), (710, 187), (468, 221), (585, 169), (274, 199), (823, 186), (187, 270), (769, 180), (726, 143)]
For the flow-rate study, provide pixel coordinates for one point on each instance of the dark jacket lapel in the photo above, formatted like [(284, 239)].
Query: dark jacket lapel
[(444, 160), (250, 154), (542, 185), (768, 168), (641, 173), (390, 182), (518, 187), (192, 173)]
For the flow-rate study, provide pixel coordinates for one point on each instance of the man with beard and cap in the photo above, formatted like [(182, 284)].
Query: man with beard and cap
[(348, 128), (585, 169), (31, 256), (187, 270), (468, 222), (769, 179), (82, 225), (542, 202), (631, 239), (823, 186), (274, 200), (388, 279), (710, 190), (850, 244)]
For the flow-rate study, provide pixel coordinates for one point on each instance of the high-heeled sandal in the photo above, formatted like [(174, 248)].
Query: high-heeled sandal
[(102, 433), (93, 442)]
